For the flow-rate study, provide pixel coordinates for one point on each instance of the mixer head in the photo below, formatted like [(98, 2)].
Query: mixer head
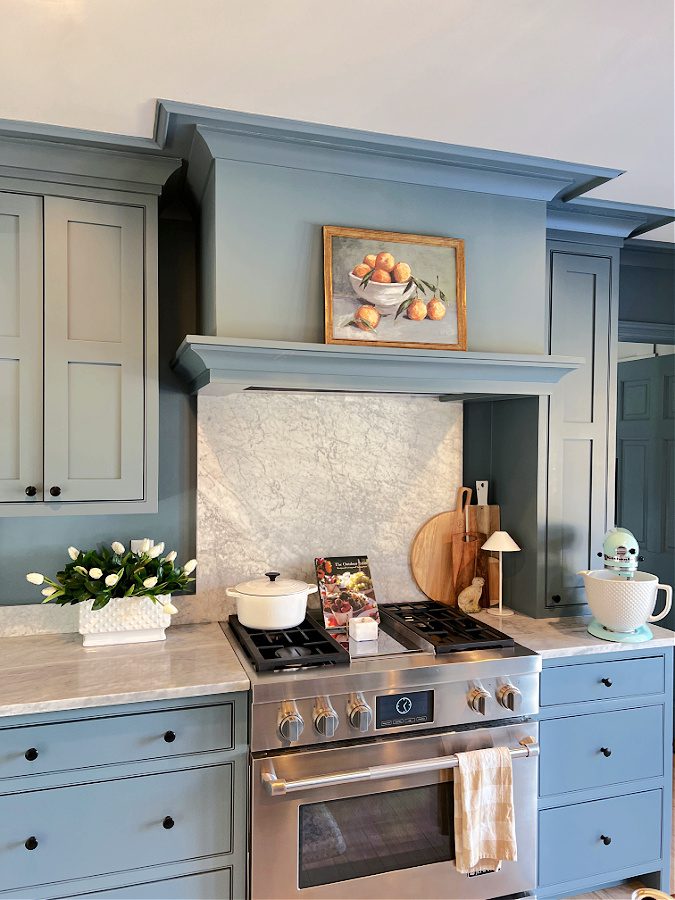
[(620, 552)]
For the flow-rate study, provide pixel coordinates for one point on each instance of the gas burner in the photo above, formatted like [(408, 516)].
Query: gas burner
[(308, 644), (446, 628)]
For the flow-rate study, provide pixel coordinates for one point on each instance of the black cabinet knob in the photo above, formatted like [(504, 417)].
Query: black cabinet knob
[(31, 754), (169, 736), (31, 843), (31, 490), (167, 822), (605, 840), (556, 598), (605, 751), (55, 490), (606, 681)]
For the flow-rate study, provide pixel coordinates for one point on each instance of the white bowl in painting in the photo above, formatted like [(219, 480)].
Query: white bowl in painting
[(382, 296)]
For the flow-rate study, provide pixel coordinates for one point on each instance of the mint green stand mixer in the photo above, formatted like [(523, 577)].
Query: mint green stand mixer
[(622, 599)]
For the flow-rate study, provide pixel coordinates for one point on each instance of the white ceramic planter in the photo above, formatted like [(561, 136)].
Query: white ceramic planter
[(128, 620)]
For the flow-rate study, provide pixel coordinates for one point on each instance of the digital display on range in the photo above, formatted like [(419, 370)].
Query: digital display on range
[(412, 708)]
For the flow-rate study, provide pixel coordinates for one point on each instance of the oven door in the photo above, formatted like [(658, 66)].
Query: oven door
[(375, 819)]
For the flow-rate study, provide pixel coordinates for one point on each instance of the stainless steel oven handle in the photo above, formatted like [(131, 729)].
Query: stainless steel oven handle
[(278, 787)]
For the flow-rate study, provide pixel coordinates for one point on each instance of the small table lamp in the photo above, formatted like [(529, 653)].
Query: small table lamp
[(502, 542)]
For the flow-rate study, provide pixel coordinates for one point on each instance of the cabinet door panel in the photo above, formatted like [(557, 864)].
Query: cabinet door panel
[(94, 359), (20, 347), (580, 321)]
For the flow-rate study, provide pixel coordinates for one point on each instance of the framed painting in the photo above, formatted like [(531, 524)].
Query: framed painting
[(394, 290)]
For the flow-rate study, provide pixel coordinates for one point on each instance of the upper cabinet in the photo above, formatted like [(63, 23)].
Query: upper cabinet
[(78, 341)]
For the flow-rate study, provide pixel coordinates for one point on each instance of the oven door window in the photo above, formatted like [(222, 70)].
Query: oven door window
[(383, 832)]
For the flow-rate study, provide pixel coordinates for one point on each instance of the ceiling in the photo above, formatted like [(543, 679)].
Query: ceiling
[(568, 79)]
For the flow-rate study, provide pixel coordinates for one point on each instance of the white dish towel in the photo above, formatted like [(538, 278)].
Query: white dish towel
[(485, 832)]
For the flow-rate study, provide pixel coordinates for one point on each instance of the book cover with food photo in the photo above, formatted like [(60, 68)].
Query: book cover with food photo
[(346, 589)]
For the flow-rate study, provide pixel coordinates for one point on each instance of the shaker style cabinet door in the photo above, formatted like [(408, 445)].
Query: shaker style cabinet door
[(580, 325), (94, 351), (20, 348)]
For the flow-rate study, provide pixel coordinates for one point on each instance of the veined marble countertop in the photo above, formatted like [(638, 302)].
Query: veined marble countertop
[(567, 636), (42, 673)]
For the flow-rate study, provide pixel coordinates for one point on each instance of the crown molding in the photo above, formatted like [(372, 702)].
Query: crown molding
[(606, 218)]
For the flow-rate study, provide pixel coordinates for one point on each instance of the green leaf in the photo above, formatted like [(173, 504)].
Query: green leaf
[(402, 308), (442, 296), (430, 286)]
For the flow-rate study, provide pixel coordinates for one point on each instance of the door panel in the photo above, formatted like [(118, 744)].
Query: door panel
[(581, 319), (94, 361), (20, 347)]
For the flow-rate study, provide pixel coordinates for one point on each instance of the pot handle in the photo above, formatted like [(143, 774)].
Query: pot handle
[(669, 602), (232, 593), (312, 589)]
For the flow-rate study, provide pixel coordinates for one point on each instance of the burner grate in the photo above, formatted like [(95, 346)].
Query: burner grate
[(447, 628), (308, 644)]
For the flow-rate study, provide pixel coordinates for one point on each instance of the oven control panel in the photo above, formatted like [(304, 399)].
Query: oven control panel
[(326, 718)]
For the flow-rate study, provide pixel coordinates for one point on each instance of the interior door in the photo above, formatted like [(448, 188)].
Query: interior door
[(20, 348), (94, 346), (646, 462)]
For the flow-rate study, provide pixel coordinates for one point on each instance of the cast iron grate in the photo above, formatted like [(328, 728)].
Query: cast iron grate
[(446, 627), (308, 644)]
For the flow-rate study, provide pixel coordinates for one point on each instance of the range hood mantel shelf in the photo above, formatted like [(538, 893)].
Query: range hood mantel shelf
[(218, 365)]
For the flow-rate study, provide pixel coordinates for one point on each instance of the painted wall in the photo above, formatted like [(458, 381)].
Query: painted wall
[(267, 275), (566, 79), (40, 543), (284, 477)]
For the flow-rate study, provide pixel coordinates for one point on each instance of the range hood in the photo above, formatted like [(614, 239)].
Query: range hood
[(220, 365)]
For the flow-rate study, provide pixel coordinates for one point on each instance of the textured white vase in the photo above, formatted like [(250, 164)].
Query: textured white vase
[(128, 620)]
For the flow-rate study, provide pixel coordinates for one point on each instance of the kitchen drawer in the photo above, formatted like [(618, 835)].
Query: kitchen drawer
[(110, 826), (572, 755), (216, 885), (570, 837), (113, 739), (602, 680)]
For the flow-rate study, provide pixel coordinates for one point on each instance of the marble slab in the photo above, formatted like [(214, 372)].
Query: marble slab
[(552, 638), (55, 672)]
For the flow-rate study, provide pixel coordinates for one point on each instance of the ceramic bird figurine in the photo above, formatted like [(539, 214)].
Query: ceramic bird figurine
[(469, 599)]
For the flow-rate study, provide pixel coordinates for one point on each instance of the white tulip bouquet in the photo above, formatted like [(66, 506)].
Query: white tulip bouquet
[(107, 574)]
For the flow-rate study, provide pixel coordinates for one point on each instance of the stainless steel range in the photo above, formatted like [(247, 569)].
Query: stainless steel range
[(353, 749)]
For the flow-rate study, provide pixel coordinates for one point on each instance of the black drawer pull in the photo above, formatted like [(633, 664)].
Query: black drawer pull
[(31, 843), (556, 598), (55, 491), (605, 840), (31, 490), (168, 822), (31, 754), (606, 681), (605, 751), (169, 736)]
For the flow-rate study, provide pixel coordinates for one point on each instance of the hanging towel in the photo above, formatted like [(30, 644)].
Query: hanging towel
[(485, 832)]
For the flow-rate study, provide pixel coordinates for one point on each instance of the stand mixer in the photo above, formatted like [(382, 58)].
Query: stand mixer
[(622, 599)]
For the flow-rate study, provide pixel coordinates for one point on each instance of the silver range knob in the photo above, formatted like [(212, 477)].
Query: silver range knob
[(477, 699), (510, 697), (326, 719), (290, 723), (360, 714)]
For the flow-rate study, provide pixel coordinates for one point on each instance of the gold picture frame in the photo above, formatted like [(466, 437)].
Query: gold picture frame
[(415, 300)]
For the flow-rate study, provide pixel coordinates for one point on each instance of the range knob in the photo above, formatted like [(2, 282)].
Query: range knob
[(510, 697), (360, 714), (326, 719), (477, 699), (291, 723)]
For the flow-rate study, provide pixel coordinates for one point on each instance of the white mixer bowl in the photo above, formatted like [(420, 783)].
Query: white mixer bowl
[(623, 604)]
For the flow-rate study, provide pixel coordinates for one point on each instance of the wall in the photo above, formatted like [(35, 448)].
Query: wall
[(283, 478), (267, 275), (40, 543)]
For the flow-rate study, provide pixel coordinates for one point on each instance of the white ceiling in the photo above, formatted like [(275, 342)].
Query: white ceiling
[(589, 82)]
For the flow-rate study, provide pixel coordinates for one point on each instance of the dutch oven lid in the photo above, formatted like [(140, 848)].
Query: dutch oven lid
[(272, 586)]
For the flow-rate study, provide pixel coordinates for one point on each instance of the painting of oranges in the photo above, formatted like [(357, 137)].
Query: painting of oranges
[(394, 290)]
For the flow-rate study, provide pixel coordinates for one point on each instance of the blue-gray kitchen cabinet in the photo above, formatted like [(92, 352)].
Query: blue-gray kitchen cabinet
[(605, 771), (146, 800)]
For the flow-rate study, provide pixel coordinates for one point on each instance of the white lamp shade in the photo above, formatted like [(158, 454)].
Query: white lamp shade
[(501, 541)]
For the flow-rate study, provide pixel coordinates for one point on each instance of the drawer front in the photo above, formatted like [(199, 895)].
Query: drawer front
[(600, 749), (571, 844), (115, 825), (602, 680), (215, 885), (36, 749)]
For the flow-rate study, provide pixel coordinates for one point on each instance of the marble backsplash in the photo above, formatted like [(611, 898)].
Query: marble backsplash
[(285, 477)]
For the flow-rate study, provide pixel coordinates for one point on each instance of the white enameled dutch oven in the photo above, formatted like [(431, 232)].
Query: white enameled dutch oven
[(271, 604)]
